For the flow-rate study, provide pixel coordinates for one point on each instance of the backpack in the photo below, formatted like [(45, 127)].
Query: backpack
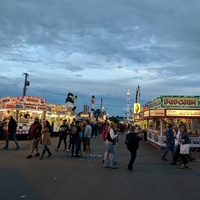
[(74, 130)]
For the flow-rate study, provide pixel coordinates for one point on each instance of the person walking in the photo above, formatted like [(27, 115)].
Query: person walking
[(63, 131), (110, 147), (69, 135), (45, 138), (177, 137), (87, 136), (81, 136), (12, 127), (169, 142), (75, 129), (105, 131), (132, 142), (185, 147), (1, 130), (34, 134)]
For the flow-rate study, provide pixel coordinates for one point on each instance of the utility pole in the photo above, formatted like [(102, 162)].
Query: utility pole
[(26, 83), (101, 103), (139, 93)]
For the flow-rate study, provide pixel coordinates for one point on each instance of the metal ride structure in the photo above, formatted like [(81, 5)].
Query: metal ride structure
[(128, 111), (137, 95), (136, 106)]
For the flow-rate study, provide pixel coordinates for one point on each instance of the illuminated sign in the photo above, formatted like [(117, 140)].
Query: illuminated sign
[(41, 108), (30, 107), (183, 113), (10, 106), (84, 115), (136, 108), (180, 102), (5, 100), (19, 106), (31, 100), (157, 113), (146, 113), (13, 100)]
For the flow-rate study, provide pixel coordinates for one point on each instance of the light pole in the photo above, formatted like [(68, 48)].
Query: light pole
[(26, 83), (101, 106)]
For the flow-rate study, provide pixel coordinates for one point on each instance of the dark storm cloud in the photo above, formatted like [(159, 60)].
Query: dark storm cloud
[(101, 47)]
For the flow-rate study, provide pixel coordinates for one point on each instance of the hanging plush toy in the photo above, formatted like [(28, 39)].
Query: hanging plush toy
[(71, 101)]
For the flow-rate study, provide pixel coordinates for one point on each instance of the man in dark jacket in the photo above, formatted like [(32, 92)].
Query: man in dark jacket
[(75, 129), (12, 127), (132, 142), (34, 134), (169, 142)]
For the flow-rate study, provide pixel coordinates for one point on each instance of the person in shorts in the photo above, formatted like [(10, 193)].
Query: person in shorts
[(34, 135)]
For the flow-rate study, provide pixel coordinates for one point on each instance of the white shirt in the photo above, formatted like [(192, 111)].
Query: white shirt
[(112, 134), (177, 137), (88, 131)]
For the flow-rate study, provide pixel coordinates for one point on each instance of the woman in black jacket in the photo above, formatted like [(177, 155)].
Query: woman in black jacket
[(132, 142), (185, 147)]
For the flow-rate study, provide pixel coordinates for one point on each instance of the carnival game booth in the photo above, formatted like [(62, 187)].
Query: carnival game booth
[(174, 110), (24, 110)]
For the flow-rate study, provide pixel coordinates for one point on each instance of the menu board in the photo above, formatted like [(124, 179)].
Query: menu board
[(182, 113)]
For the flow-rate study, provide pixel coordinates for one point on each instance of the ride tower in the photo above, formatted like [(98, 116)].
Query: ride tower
[(128, 111)]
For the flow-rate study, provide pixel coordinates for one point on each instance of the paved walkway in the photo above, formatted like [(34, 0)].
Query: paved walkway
[(62, 177)]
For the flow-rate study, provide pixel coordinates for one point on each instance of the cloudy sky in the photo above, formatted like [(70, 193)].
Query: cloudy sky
[(101, 48)]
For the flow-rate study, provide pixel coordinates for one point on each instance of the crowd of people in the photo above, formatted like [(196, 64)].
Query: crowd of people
[(177, 141), (76, 137)]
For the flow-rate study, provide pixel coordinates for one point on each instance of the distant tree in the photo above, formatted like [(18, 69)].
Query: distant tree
[(114, 119)]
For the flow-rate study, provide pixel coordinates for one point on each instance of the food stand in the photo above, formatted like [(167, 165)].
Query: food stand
[(174, 110), (56, 114), (24, 109)]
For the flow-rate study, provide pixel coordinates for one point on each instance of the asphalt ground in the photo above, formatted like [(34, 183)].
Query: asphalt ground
[(62, 177)]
